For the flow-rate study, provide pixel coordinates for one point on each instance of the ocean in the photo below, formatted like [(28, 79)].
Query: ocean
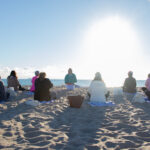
[(59, 82)]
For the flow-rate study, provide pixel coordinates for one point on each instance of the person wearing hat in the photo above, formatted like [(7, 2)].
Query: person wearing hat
[(97, 90), (129, 83), (33, 81)]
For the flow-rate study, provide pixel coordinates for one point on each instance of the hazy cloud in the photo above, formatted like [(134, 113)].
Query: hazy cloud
[(28, 72)]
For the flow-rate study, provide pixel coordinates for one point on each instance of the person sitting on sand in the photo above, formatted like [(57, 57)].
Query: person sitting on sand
[(97, 90), (33, 81), (3, 94), (146, 89), (42, 88), (2, 91), (12, 81), (70, 80), (130, 83)]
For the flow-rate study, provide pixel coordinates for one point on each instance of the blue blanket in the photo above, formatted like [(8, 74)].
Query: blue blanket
[(2, 101), (47, 102), (147, 100), (129, 93), (30, 93), (101, 103)]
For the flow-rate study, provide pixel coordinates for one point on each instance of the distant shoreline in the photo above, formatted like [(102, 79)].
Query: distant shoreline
[(82, 83)]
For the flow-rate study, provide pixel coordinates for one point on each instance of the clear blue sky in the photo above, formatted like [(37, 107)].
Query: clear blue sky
[(48, 32)]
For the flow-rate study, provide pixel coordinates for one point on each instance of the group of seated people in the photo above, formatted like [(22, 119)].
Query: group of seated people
[(97, 90)]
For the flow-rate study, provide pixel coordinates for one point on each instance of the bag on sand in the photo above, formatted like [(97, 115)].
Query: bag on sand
[(11, 91), (117, 91), (32, 102), (139, 97), (75, 101)]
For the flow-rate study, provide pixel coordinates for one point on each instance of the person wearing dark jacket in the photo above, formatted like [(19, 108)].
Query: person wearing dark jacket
[(42, 88), (130, 83), (2, 91)]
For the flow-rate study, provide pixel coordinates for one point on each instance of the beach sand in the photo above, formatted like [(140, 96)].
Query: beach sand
[(57, 126)]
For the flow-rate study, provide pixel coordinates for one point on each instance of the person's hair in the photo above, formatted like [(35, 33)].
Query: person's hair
[(42, 75), (130, 73), (98, 77), (37, 73), (149, 75), (13, 73), (69, 70)]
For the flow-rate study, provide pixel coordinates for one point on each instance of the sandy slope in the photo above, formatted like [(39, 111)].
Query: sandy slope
[(57, 126)]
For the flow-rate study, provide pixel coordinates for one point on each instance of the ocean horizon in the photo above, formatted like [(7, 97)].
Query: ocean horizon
[(60, 82)]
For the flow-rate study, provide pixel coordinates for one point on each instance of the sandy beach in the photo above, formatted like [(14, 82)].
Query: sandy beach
[(58, 126)]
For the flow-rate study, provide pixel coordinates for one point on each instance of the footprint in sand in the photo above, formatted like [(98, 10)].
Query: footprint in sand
[(110, 144), (36, 139), (9, 134), (143, 134), (92, 147), (35, 134), (126, 145), (134, 139)]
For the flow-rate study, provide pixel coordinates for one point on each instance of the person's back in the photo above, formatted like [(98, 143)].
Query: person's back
[(13, 82), (97, 91), (42, 89), (147, 83), (32, 89), (129, 84), (2, 91)]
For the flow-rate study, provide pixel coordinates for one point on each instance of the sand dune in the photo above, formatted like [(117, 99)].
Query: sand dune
[(57, 126)]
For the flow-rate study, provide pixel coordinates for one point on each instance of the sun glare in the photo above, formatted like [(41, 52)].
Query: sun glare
[(111, 47)]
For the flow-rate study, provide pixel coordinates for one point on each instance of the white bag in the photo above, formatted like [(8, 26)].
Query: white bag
[(32, 102), (139, 97), (11, 91), (117, 91)]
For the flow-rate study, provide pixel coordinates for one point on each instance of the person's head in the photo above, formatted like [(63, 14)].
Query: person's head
[(69, 71), (13, 73), (149, 75), (130, 73), (98, 76), (42, 75), (37, 73)]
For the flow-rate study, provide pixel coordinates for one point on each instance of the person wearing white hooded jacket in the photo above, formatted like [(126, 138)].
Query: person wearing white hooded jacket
[(97, 90)]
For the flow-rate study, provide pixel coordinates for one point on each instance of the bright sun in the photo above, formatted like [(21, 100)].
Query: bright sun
[(111, 46)]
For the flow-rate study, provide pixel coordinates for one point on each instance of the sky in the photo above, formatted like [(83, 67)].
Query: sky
[(106, 36)]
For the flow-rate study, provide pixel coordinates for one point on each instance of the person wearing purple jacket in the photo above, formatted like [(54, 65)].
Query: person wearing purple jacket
[(33, 81), (146, 89)]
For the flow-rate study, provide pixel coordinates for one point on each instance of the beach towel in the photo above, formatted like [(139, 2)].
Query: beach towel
[(37, 103), (32, 102), (101, 103), (138, 97), (147, 100), (46, 102), (2, 101), (29, 93), (70, 87)]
